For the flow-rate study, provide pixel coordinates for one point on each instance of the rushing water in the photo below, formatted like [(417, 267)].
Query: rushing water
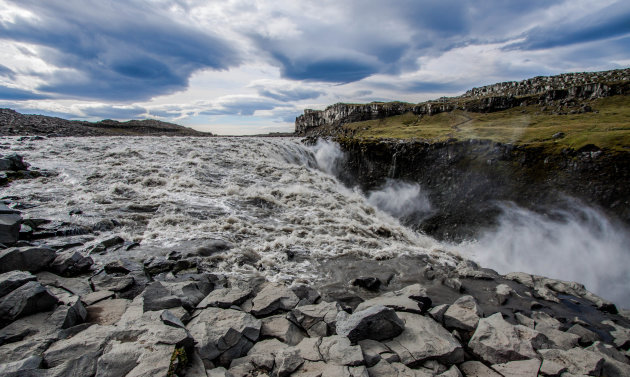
[(274, 198)]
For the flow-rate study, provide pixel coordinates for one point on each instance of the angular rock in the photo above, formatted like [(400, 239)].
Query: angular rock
[(212, 247), (69, 315), (377, 323), (372, 351), (94, 297), (576, 360), (586, 336), (9, 229), (89, 342), (76, 286), (309, 349), (397, 303), (107, 282), (272, 298), (280, 327), (559, 339), (521, 368), (27, 299), (503, 292), (338, 350), (424, 339), (316, 320), (367, 282), (524, 320), (12, 280), (71, 263), (118, 359), (20, 367), (321, 369), (306, 294), (496, 341), (551, 368), (30, 259), (607, 350), (268, 346), (191, 293), (107, 312), (543, 320), (477, 369), (224, 298), (157, 265), (156, 297), (437, 313), (463, 314), (620, 334), (385, 369), (221, 332), (171, 320), (286, 362)]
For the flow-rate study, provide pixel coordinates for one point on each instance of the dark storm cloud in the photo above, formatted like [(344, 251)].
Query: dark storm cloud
[(610, 22), (7, 93), (116, 50)]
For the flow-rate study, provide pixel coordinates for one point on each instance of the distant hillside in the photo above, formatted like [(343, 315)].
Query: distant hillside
[(14, 123), (568, 110)]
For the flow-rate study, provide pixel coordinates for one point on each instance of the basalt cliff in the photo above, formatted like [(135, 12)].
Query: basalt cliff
[(462, 151)]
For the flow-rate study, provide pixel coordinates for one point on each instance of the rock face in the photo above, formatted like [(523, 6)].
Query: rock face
[(377, 323)]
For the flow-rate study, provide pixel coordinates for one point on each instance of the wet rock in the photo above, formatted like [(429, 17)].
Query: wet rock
[(12, 280), (71, 263), (225, 298), (576, 360), (273, 298), (109, 282), (620, 334), (463, 314), (586, 336), (9, 228), (158, 265), (13, 162), (281, 328), (477, 369), (338, 350), (27, 299), (20, 367), (424, 339), (521, 368), (94, 297), (223, 333), (370, 283), (107, 312), (496, 341), (157, 297), (316, 320), (408, 299), (306, 294), (377, 323), (30, 259), (212, 247)]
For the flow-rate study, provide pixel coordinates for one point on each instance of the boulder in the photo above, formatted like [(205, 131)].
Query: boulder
[(109, 282), (223, 333), (316, 320), (212, 247), (20, 367), (367, 282), (157, 265), (437, 313), (398, 303), (273, 298), (71, 263), (424, 339), (607, 350), (170, 319), (306, 294), (191, 293), (543, 320), (157, 297), (118, 359), (463, 314), (586, 336), (374, 351), (477, 369), (321, 369), (576, 360), (280, 327), (338, 350), (27, 299), (71, 314), (620, 334), (12, 280), (377, 323), (497, 341), (559, 339), (503, 292), (521, 368), (13, 162), (225, 298), (89, 342), (30, 259), (9, 229)]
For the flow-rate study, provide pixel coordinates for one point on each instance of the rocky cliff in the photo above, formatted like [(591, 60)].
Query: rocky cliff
[(557, 91), (14, 123)]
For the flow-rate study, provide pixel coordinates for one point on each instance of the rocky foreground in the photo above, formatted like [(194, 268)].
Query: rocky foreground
[(63, 314)]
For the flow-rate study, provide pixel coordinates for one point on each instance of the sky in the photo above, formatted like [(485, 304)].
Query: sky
[(252, 66)]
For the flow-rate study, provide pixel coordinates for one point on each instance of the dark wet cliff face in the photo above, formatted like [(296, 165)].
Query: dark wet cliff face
[(466, 181)]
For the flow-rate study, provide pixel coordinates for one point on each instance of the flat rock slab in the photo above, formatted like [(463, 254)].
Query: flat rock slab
[(107, 282), (377, 323), (577, 360), (106, 312), (224, 298), (279, 327), (9, 281), (157, 297), (424, 339), (94, 297), (338, 350), (30, 259), (521, 368), (29, 298), (463, 314), (273, 298), (477, 369), (317, 320)]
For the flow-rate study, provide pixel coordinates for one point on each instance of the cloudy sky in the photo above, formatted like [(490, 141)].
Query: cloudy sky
[(252, 66)]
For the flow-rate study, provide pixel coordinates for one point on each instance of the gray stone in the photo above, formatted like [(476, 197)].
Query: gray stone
[(9, 229), (157, 297), (171, 320), (477, 369), (424, 339), (306, 294), (107, 312), (118, 359), (608, 350), (316, 320), (377, 323), (587, 337), (521, 368), (273, 298), (559, 339), (503, 292), (280, 327), (372, 351), (338, 350), (157, 265), (21, 366), (496, 341), (27, 299), (212, 247), (76, 286), (385, 369), (321, 369), (551, 368), (543, 320), (12, 280), (525, 320), (89, 342), (108, 282), (30, 259), (190, 293), (576, 360), (451, 372), (463, 314), (397, 303), (94, 297), (69, 315), (286, 362), (224, 298), (71, 263), (620, 334), (437, 313), (223, 331), (309, 349), (268, 346)]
